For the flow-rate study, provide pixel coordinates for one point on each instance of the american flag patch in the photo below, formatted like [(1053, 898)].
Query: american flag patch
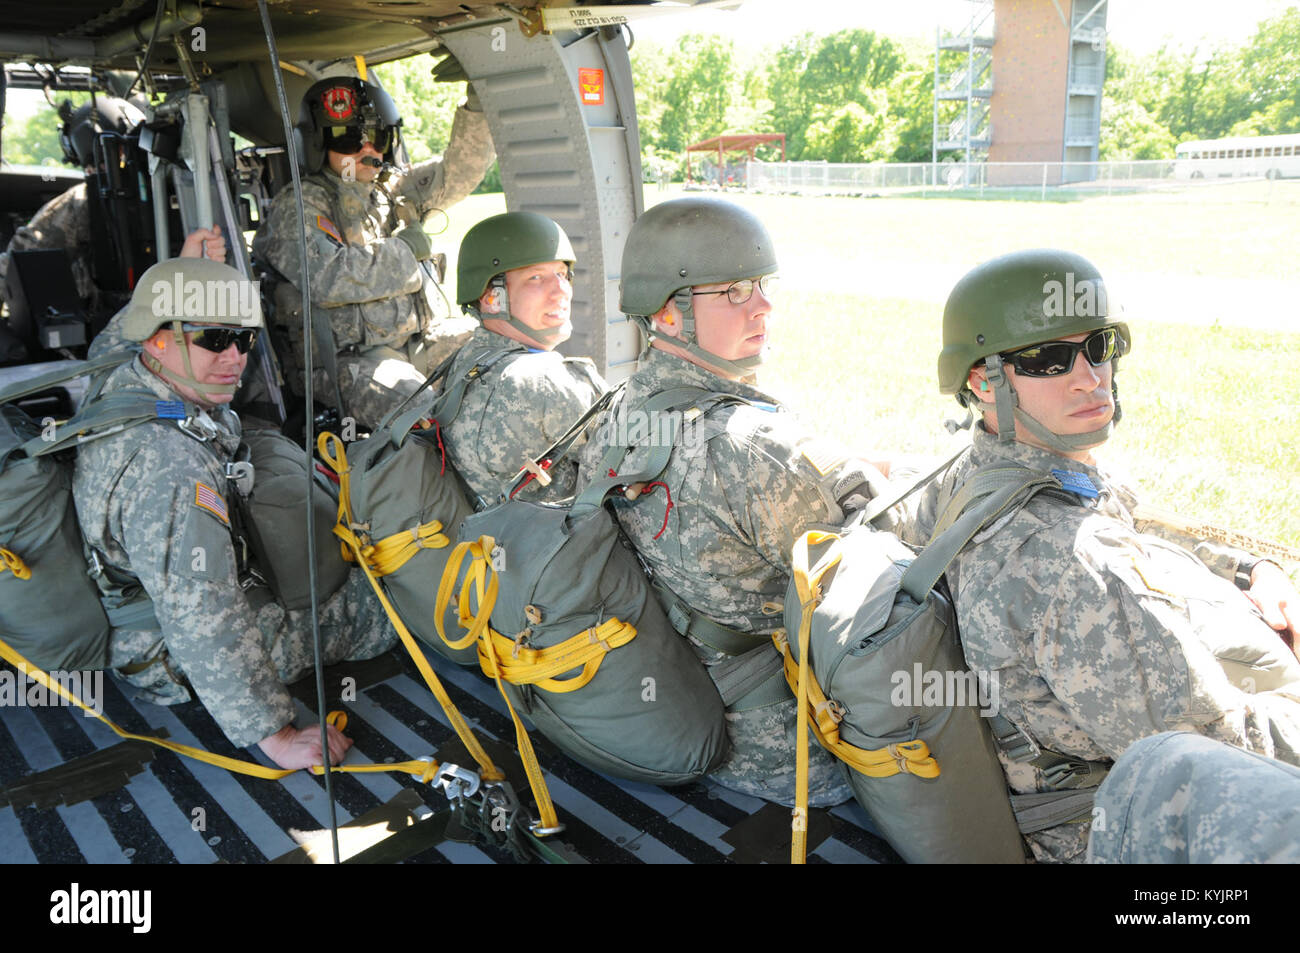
[(209, 499)]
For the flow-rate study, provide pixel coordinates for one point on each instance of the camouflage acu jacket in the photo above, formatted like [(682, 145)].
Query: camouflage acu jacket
[(513, 412), (1098, 635), (744, 481), (154, 503), (62, 222), (370, 283)]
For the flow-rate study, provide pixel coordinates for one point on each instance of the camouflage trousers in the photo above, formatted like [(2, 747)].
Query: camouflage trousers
[(762, 759), (1182, 798), (353, 626), (375, 380)]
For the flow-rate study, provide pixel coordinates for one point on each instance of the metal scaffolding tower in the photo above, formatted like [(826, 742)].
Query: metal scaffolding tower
[(1084, 86), (963, 86)]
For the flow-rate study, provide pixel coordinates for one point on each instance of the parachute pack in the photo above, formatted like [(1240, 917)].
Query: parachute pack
[(52, 611), (50, 608), (568, 624), (588, 655), (865, 615)]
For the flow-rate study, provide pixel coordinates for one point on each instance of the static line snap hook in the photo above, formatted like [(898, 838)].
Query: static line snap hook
[(457, 781), (537, 830)]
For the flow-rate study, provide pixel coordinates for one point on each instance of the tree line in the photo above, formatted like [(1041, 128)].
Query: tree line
[(856, 96)]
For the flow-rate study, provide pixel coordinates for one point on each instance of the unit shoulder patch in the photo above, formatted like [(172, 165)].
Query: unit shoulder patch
[(330, 229)]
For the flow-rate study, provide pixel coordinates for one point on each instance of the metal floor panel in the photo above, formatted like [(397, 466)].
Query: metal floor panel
[(178, 810)]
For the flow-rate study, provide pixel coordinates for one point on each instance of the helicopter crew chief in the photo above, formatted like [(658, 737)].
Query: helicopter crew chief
[(370, 258)]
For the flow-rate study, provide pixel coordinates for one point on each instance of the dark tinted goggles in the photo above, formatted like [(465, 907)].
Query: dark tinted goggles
[(217, 340), (348, 140), (1053, 358)]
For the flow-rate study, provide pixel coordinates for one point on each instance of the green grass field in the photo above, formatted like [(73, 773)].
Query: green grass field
[(1212, 412)]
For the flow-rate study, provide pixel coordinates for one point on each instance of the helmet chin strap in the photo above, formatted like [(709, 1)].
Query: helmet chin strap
[(740, 367), (212, 393), (547, 337), (1009, 412)]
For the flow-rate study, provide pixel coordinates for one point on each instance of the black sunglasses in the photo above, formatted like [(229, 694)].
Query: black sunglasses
[(217, 340), (348, 140), (1053, 358)]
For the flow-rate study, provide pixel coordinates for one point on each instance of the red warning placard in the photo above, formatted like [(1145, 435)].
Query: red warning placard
[(591, 85)]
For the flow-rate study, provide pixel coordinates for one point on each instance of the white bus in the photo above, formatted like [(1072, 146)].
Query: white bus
[(1272, 157)]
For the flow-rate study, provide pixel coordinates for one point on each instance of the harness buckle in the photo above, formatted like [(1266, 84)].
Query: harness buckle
[(458, 782), (242, 475), (199, 426)]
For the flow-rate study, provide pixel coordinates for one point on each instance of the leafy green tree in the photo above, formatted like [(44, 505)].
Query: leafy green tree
[(698, 91), (34, 140), (852, 133), (812, 79), (1129, 132), (1270, 70), (911, 114), (427, 107)]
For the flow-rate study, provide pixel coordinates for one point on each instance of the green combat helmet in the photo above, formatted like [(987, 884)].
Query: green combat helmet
[(686, 242), (1012, 302), (182, 291), (503, 243)]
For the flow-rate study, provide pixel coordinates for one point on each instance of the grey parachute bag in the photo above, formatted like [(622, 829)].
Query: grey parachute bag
[(400, 501), (886, 671), (565, 615), (271, 515), (50, 608)]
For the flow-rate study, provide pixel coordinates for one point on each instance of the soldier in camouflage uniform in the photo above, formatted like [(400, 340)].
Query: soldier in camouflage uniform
[(744, 480), (1099, 633), (513, 275), (153, 504), (64, 221), (370, 259), (1180, 798)]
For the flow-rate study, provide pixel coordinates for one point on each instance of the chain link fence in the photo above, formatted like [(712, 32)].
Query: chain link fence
[(1041, 180)]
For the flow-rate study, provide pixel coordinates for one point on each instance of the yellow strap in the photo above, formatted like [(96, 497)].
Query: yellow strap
[(393, 552), (814, 709), (521, 665), (425, 769), (510, 660), (14, 563), (338, 461), (911, 757), (480, 551)]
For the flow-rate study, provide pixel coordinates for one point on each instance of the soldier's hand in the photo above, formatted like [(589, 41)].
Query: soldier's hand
[(1271, 590), (205, 243), (417, 240), (292, 747)]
